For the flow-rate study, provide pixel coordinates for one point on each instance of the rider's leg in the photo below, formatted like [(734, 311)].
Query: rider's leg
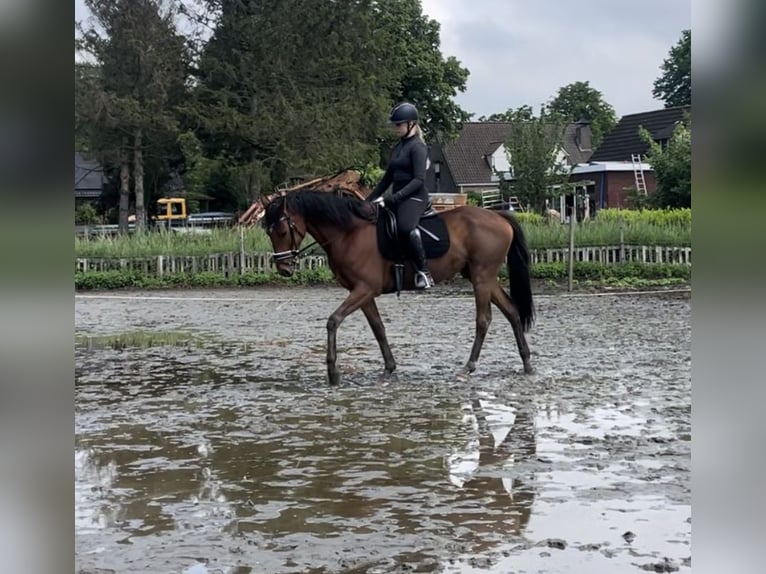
[(408, 216)]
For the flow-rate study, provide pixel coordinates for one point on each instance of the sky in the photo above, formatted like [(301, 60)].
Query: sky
[(522, 51)]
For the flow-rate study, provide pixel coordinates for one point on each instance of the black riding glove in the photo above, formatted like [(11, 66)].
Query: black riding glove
[(390, 199)]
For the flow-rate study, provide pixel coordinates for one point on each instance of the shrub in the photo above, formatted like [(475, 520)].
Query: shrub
[(527, 218), (659, 217)]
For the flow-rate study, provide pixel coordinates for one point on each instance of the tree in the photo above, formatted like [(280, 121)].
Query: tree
[(523, 113), (129, 92), (409, 46), (280, 100), (672, 167), (674, 86), (533, 151), (578, 101)]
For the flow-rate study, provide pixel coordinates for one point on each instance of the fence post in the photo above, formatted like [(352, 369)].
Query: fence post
[(622, 239), (241, 250), (571, 245)]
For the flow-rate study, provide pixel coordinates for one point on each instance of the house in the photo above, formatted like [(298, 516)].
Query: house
[(616, 167), (88, 179), (477, 159)]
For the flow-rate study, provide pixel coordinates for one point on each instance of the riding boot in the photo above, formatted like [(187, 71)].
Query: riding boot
[(423, 279)]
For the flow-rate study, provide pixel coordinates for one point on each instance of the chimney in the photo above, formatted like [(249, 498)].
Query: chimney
[(583, 135)]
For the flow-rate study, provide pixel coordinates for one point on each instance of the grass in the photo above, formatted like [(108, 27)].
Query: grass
[(220, 240), (670, 228), (136, 339), (597, 233)]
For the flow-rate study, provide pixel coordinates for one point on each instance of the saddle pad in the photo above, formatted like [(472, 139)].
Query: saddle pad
[(392, 250)]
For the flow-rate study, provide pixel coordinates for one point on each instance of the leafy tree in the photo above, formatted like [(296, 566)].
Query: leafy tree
[(129, 92), (523, 113), (580, 101), (281, 100), (533, 146), (672, 167), (409, 46), (674, 86)]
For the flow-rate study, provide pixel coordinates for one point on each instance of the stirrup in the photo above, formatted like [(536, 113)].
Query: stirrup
[(423, 280)]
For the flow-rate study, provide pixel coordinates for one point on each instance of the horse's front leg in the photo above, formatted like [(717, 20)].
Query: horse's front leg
[(370, 310), (355, 299)]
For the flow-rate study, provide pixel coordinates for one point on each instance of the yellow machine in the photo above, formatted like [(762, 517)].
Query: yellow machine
[(171, 209)]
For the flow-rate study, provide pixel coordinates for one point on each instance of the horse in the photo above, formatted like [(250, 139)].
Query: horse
[(469, 240)]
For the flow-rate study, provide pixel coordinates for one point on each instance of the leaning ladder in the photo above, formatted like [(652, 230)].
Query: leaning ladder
[(638, 173)]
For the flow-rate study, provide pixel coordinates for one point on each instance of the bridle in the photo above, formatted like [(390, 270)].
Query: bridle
[(293, 252)]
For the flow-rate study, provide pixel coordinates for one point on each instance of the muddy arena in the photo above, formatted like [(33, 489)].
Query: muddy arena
[(213, 444)]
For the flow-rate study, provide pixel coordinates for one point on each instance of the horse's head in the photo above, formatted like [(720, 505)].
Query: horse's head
[(286, 230)]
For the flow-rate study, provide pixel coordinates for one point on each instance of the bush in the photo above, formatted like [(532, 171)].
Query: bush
[(625, 273), (107, 280), (590, 271), (527, 218), (659, 217)]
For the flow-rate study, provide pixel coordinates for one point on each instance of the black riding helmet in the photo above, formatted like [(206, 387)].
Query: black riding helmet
[(404, 112)]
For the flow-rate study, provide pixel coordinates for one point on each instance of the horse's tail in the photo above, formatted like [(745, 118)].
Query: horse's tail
[(518, 273)]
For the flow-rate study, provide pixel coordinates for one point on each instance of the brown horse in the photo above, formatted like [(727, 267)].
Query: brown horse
[(479, 240)]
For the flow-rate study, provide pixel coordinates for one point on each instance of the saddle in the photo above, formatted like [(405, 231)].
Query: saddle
[(433, 231)]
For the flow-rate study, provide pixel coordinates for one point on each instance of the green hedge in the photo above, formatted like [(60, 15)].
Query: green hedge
[(659, 217), (587, 270), (583, 271), (105, 280)]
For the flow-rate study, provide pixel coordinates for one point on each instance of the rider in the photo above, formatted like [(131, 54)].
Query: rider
[(409, 196)]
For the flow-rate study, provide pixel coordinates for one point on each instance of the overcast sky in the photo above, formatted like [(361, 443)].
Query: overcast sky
[(522, 51)]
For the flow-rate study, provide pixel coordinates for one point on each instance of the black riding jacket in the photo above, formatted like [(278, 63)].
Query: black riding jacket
[(406, 170)]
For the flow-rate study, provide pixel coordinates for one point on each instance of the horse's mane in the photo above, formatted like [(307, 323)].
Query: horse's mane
[(319, 206)]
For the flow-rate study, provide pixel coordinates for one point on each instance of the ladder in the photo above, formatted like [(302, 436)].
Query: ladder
[(515, 203), (638, 173)]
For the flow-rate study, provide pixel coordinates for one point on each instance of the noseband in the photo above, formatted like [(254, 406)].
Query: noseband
[(293, 252)]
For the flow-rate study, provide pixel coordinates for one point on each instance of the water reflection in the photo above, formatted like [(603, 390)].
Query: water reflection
[(295, 475), (496, 492)]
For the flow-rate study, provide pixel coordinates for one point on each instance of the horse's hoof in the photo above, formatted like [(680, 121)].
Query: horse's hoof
[(333, 379), (529, 370), (465, 372), (387, 377)]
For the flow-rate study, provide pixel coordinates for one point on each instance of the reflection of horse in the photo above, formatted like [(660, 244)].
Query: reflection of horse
[(499, 501), (468, 240)]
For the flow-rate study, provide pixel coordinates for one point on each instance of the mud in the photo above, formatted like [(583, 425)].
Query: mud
[(233, 456)]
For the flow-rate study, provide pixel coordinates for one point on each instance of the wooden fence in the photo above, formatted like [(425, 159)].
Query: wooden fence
[(611, 254), (227, 264), (230, 264)]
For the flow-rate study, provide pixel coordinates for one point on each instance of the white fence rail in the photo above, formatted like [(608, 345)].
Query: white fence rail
[(230, 264)]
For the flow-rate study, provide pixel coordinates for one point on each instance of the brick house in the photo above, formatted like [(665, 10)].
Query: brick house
[(476, 159), (612, 167)]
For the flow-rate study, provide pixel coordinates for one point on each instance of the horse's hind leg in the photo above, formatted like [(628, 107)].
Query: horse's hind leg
[(503, 302), (482, 295)]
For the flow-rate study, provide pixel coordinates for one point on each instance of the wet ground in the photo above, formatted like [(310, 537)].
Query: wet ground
[(228, 453)]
